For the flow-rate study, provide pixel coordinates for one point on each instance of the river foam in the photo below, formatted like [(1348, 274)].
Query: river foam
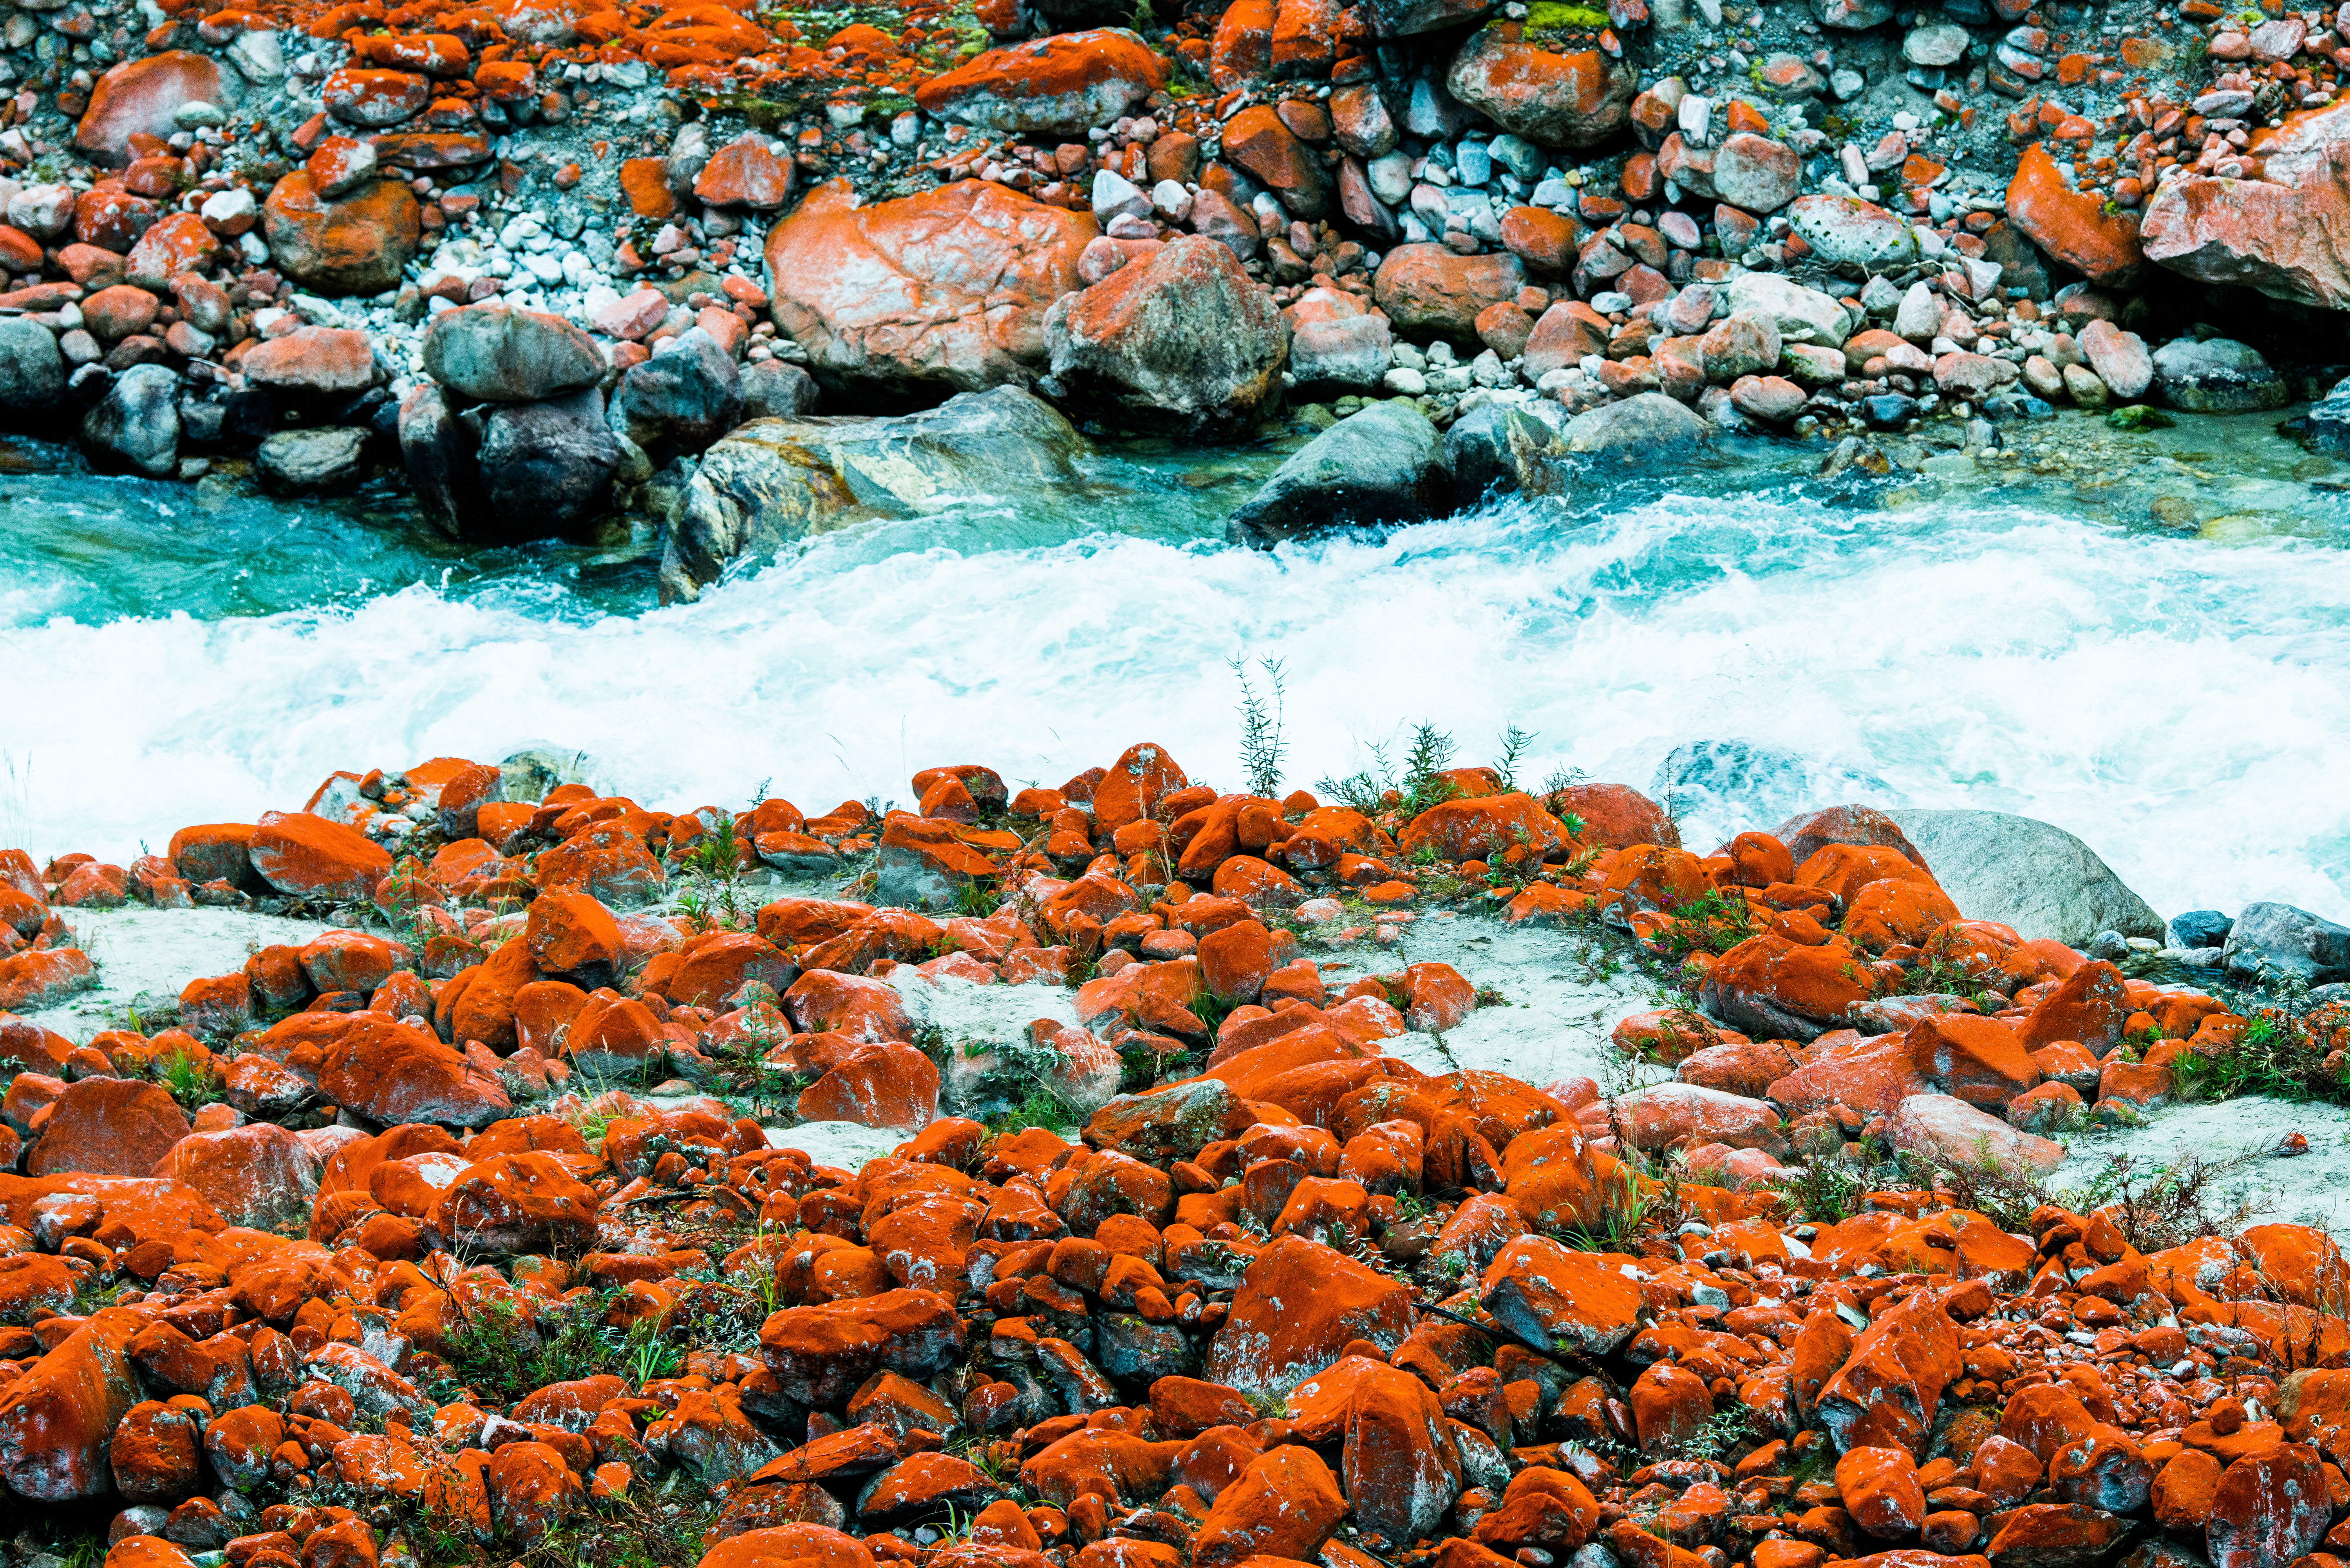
[(2179, 704)]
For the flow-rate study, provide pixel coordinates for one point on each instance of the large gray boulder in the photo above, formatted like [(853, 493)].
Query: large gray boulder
[(679, 400), (2217, 376), (1385, 464), (137, 424), (1507, 446), (1647, 427), (774, 480), (2282, 941), (1181, 339), (548, 465), (497, 354), (2028, 874), (32, 371), (772, 389)]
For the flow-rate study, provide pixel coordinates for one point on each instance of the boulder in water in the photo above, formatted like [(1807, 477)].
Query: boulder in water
[(1385, 464), (137, 424), (776, 479), (2280, 939), (312, 462), (1647, 427), (2217, 376), (549, 464), (1508, 446), (2028, 874)]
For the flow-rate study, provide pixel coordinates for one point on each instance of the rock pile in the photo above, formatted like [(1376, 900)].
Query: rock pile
[(480, 1239), (233, 237)]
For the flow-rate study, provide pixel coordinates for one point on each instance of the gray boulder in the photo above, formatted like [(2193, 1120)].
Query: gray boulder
[(2277, 938), (2329, 419), (497, 354), (1647, 427), (312, 462), (1181, 339), (776, 479), (1385, 464), (774, 391), (437, 446), (1509, 446), (32, 371), (136, 425), (2217, 376), (682, 398), (547, 467), (2028, 874), (2199, 929)]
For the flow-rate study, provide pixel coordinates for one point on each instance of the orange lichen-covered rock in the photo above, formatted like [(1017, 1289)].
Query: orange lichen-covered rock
[(1284, 1506), (947, 289), (1183, 335), (572, 934), (512, 1203), (821, 1354), (58, 1418), (1894, 910), (1063, 84), (107, 1126), (355, 244), (1484, 828), (1542, 1292), (2090, 1006), (1890, 1387), (887, 1084), (1880, 1491), (2078, 228), (392, 1073), (1572, 99), (1977, 1059), (1298, 1305), (1614, 816), (1401, 1469), (1773, 988), (258, 1175), (311, 857)]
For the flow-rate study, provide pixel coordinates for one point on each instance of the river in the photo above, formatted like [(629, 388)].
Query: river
[(2144, 639)]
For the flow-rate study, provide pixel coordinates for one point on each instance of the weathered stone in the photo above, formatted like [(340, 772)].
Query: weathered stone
[(1185, 338), (1384, 464)]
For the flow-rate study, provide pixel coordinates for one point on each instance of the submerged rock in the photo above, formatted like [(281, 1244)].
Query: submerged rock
[(137, 424), (1384, 464), (776, 479), (312, 462)]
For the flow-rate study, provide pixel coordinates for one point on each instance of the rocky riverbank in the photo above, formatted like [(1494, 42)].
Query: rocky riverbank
[(553, 261), (1125, 1173)]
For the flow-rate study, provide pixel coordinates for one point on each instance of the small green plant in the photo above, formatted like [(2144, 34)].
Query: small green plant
[(1720, 1433), (1262, 746), (186, 1080), (1514, 742), (1623, 1207)]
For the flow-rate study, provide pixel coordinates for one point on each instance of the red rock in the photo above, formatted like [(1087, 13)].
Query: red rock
[(1298, 1305), (259, 1175), (375, 99), (883, 1085), (1062, 84), (350, 244), (139, 98), (2071, 225), (514, 1203), (1256, 139), (309, 856), (1574, 99), (1886, 1393), (744, 174), (334, 361), (876, 301), (1862, 827), (1428, 287), (108, 1126), (1880, 1491), (179, 242), (1979, 1060), (1540, 1290)]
